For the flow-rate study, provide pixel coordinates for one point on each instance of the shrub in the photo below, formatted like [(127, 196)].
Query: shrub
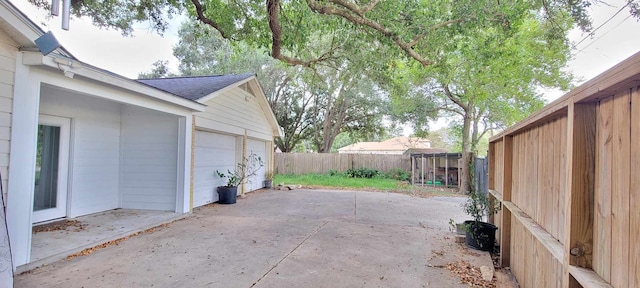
[(362, 173), (399, 174), (333, 172)]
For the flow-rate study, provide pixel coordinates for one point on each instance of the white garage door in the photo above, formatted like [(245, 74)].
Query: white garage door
[(213, 152), (259, 148)]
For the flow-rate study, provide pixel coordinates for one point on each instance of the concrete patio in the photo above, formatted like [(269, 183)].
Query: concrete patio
[(51, 246), (299, 238)]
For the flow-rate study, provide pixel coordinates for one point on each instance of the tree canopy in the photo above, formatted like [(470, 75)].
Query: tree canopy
[(479, 59)]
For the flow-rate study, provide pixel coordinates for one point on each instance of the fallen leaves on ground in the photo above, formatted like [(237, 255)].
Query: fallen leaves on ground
[(60, 225), (469, 274), (117, 241)]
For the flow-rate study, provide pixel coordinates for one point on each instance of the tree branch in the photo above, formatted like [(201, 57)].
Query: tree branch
[(273, 12), (360, 20), (454, 98), (355, 8), (205, 20)]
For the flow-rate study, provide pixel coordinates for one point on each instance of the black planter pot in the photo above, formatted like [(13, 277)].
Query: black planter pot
[(227, 195), (267, 184), (480, 235)]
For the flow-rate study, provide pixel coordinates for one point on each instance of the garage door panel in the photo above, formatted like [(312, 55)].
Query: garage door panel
[(212, 152), (211, 157), (259, 148), (210, 139)]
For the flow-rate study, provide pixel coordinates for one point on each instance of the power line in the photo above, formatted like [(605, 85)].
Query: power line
[(605, 22), (605, 33)]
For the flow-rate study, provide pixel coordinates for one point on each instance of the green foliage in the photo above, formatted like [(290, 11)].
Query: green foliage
[(160, 69), (443, 138), (398, 174), (478, 206), (362, 173), (246, 169), (338, 181)]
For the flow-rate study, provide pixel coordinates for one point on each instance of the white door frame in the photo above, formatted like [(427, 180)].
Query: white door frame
[(63, 169)]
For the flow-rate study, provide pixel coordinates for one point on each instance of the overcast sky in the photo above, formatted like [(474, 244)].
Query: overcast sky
[(615, 41)]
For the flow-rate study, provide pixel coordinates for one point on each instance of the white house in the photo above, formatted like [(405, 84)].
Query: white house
[(76, 139), (237, 121)]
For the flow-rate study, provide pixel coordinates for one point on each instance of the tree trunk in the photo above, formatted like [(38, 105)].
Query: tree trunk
[(465, 175)]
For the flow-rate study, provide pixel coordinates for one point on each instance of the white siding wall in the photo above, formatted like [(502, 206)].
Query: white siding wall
[(95, 148), (234, 112), (230, 113), (8, 50), (148, 159)]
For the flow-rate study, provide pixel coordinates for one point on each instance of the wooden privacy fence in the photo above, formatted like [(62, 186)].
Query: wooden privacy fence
[(303, 163), (568, 178)]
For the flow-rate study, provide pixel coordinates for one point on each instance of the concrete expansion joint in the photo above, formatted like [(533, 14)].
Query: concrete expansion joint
[(355, 207), (291, 252)]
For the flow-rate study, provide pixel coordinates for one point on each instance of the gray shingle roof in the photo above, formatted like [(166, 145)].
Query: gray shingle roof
[(194, 87)]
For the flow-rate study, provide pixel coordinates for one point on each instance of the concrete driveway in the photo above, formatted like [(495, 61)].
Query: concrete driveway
[(299, 238)]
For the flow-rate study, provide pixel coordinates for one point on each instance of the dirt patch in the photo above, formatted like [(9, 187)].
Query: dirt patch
[(67, 225), (469, 274)]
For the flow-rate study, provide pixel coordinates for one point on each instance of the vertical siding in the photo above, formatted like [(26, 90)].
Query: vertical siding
[(8, 50), (95, 148), (149, 147), (231, 113)]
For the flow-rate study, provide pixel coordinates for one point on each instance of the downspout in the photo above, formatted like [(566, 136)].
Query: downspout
[(244, 162), (193, 158)]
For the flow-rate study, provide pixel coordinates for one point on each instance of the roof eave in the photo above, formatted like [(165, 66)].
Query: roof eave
[(85, 70)]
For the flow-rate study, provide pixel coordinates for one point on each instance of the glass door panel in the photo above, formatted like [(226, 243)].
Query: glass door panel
[(52, 159)]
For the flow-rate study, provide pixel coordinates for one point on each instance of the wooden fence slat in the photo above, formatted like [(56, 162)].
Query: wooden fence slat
[(602, 213), (634, 189), (555, 194), (564, 142), (620, 190), (583, 174)]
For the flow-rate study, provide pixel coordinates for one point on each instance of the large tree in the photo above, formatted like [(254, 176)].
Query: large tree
[(315, 104), (421, 31), (488, 78), (285, 27)]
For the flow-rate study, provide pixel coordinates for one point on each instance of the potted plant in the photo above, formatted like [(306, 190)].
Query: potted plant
[(268, 179), (480, 235), (244, 170)]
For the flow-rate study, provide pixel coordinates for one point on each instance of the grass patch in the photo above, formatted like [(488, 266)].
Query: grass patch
[(340, 181)]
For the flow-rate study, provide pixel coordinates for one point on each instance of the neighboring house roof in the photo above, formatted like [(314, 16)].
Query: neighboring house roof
[(195, 87), (401, 143)]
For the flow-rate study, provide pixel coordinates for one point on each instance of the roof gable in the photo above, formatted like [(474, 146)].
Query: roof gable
[(195, 87)]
